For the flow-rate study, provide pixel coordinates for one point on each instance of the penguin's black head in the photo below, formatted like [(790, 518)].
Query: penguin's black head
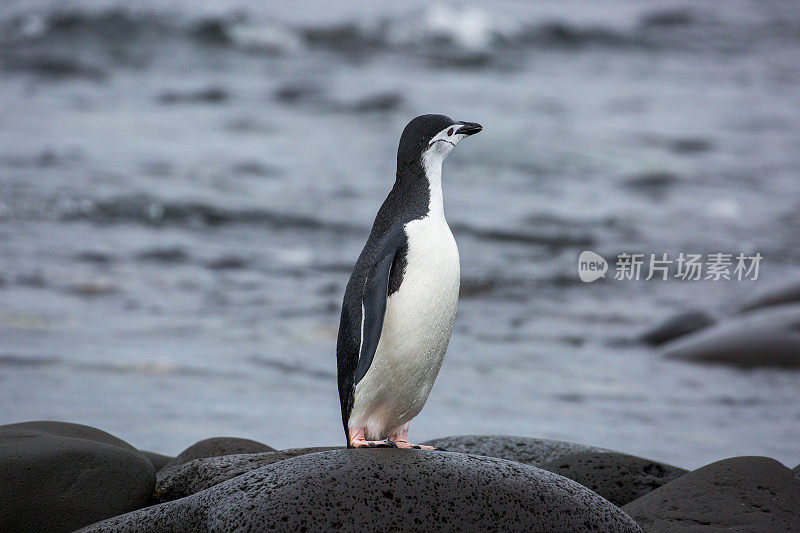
[(432, 136)]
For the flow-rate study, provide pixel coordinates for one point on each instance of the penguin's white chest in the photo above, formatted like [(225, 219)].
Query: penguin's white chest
[(421, 313), (416, 331)]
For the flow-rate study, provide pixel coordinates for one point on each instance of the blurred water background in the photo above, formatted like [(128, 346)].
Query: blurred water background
[(184, 187)]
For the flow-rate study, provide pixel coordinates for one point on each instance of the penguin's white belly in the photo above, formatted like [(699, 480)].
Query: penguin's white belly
[(416, 330)]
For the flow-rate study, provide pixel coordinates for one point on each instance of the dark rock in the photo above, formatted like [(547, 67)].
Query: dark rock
[(217, 446), (770, 337), (378, 490), (194, 476), (536, 452), (677, 326), (56, 476), (796, 470), (617, 477), (784, 294), (158, 460), (738, 494), (599, 469)]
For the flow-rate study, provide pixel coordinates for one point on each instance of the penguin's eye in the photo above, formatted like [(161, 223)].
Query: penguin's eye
[(450, 131)]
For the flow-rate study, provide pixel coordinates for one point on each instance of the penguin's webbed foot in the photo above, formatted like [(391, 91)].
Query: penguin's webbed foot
[(372, 444), (405, 445), (400, 438), (358, 439)]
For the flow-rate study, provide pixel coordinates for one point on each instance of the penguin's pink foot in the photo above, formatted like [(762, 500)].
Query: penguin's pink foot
[(405, 445), (359, 440), (356, 443), (400, 439)]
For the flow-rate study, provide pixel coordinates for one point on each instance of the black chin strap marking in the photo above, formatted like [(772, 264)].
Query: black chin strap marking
[(441, 141)]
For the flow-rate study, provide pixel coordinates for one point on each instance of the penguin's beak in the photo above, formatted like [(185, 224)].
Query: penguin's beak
[(469, 128)]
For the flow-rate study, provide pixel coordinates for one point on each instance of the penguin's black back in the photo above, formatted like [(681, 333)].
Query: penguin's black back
[(407, 201)]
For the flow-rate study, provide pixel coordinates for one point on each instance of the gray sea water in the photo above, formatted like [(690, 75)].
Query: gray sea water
[(184, 189)]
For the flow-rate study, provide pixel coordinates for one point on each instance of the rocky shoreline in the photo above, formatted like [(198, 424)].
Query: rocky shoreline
[(763, 332), (62, 477)]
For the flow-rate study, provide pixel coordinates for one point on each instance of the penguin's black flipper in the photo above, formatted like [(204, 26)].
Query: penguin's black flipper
[(374, 276), (373, 304)]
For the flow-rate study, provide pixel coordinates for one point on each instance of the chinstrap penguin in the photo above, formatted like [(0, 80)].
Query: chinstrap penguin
[(400, 302)]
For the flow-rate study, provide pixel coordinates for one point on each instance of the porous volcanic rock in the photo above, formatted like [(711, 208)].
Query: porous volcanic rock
[(218, 446), (383, 489), (618, 477), (526, 450), (737, 494), (186, 479)]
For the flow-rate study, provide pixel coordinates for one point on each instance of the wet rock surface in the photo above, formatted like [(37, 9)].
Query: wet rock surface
[(218, 446), (737, 494), (536, 452), (617, 477), (56, 476), (158, 460), (769, 337), (373, 490), (677, 326), (784, 294), (60, 477), (192, 477)]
